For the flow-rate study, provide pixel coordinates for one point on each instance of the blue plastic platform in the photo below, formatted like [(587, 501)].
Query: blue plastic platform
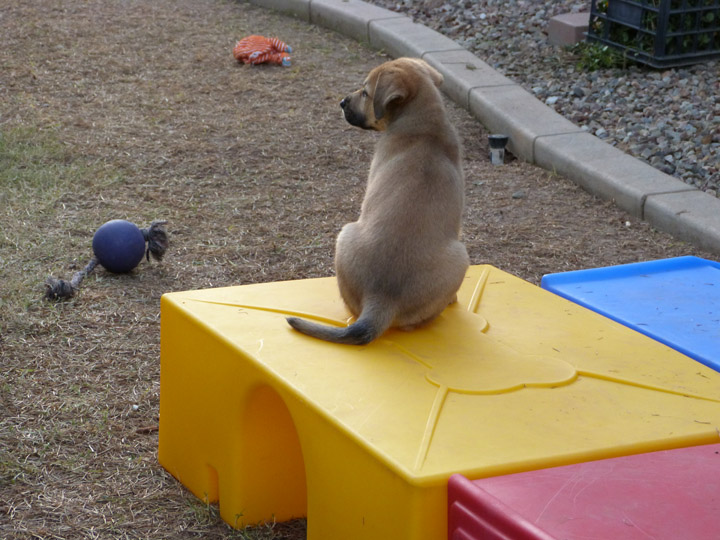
[(675, 301)]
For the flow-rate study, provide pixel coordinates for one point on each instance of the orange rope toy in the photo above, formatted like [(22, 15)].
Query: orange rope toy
[(259, 50)]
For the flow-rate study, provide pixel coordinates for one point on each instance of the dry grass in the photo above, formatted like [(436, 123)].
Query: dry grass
[(134, 109)]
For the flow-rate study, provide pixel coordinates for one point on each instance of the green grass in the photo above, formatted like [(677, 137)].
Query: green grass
[(36, 172), (34, 168), (205, 513), (592, 56)]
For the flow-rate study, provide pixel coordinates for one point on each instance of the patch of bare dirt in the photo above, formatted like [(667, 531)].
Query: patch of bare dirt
[(256, 172)]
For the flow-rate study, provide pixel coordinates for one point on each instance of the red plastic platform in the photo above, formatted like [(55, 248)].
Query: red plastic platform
[(667, 495)]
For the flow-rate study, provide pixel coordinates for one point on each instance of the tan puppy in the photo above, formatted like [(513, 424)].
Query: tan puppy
[(401, 263)]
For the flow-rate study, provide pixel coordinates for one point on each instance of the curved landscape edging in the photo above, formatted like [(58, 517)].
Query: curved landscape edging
[(537, 133)]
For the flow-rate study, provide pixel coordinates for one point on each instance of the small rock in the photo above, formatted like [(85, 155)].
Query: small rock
[(646, 153)]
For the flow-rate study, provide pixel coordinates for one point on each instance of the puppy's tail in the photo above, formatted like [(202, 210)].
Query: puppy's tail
[(372, 323)]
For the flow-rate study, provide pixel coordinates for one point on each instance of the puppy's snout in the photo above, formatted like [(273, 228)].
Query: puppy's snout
[(344, 103)]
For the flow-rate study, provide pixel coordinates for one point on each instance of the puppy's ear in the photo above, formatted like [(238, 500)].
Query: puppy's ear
[(389, 87), (435, 75)]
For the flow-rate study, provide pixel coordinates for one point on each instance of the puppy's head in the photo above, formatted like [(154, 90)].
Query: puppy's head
[(386, 91)]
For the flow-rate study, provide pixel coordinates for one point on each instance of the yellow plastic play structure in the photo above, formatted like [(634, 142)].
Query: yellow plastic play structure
[(273, 424)]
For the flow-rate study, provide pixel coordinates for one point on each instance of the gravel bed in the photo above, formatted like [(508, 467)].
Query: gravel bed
[(669, 118)]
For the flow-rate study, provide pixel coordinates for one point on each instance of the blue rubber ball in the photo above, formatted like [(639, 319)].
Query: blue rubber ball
[(119, 245)]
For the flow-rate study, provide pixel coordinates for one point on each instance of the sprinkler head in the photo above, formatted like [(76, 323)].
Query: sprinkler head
[(497, 148)]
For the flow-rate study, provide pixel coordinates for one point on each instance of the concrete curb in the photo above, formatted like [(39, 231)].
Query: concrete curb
[(537, 133)]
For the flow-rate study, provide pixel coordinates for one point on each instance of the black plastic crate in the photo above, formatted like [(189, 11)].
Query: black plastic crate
[(659, 33)]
